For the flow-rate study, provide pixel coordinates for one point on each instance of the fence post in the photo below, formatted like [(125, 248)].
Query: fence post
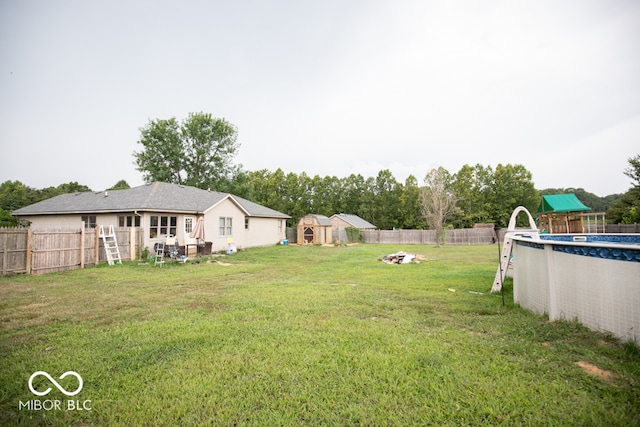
[(28, 254), (132, 244), (5, 257), (82, 245), (96, 236)]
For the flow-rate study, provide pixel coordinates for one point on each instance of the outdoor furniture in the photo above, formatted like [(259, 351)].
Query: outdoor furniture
[(205, 249), (170, 249)]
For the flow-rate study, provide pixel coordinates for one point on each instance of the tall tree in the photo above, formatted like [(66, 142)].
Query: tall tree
[(387, 200), (633, 170), (438, 201), (512, 186), (626, 210), (471, 186), (14, 195), (197, 152), (410, 205), (120, 185)]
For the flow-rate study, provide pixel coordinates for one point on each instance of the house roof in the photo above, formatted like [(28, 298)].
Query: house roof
[(561, 203), (354, 220), (156, 196)]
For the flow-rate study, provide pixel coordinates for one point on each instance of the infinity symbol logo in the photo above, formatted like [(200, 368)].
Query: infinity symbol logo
[(42, 393)]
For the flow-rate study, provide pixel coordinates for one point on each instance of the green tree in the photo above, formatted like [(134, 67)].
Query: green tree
[(120, 185), (197, 152), (409, 211), (626, 210), (14, 195), (387, 200), (471, 186), (633, 171), (512, 186)]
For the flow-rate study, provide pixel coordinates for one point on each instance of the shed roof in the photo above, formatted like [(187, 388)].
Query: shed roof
[(156, 196), (561, 203), (354, 220), (322, 220)]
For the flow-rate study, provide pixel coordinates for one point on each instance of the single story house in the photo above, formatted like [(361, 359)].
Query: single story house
[(164, 210)]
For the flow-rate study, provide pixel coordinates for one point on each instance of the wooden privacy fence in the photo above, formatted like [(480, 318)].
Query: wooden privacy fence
[(23, 250), (622, 228), (461, 236)]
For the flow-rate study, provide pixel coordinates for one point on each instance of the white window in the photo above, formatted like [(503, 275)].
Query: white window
[(162, 226), (188, 225), (129, 221), (89, 221), (225, 226), (246, 222)]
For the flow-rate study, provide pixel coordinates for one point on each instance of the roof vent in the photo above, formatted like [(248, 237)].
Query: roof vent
[(106, 194)]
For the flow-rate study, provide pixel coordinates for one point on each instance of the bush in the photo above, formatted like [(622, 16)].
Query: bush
[(353, 234)]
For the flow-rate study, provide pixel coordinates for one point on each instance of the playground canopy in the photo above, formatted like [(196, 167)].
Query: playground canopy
[(561, 203), (564, 213)]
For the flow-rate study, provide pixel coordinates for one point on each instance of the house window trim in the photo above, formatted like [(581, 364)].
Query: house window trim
[(90, 221), (192, 221), (129, 221), (165, 226), (225, 226)]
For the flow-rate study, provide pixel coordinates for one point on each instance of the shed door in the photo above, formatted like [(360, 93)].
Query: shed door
[(308, 234)]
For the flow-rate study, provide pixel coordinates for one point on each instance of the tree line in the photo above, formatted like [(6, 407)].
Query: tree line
[(483, 194), (199, 151)]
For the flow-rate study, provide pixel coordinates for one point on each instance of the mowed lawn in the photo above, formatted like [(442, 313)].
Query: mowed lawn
[(291, 335)]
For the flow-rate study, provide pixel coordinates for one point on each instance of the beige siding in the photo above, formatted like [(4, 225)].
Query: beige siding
[(337, 222), (69, 221), (261, 232)]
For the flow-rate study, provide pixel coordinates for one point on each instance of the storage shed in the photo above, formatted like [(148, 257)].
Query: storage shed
[(314, 229), (347, 220)]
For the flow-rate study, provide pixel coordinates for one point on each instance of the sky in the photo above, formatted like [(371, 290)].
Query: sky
[(325, 87)]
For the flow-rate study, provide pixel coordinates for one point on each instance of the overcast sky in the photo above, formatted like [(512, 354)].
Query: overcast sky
[(326, 87)]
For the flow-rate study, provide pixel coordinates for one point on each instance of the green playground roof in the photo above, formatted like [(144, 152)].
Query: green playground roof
[(561, 203)]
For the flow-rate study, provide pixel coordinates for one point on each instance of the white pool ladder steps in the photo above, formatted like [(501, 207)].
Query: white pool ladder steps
[(505, 256)]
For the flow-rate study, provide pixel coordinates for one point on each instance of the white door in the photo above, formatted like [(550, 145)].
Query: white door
[(189, 223)]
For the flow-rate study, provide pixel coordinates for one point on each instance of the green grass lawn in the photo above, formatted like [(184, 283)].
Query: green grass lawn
[(290, 335)]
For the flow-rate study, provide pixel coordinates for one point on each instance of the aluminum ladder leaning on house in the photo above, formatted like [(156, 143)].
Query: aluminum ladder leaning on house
[(159, 258), (110, 245), (511, 232)]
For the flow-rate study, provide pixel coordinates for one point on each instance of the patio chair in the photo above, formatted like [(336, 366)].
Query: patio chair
[(171, 247)]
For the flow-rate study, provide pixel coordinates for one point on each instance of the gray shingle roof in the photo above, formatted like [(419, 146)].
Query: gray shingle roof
[(355, 220), (322, 220), (156, 196)]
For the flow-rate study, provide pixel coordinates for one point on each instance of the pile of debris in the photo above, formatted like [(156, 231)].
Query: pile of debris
[(402, 257)]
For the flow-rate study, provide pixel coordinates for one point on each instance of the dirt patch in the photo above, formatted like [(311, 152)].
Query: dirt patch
[(591, 369), (224, 264), (603, 343)]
